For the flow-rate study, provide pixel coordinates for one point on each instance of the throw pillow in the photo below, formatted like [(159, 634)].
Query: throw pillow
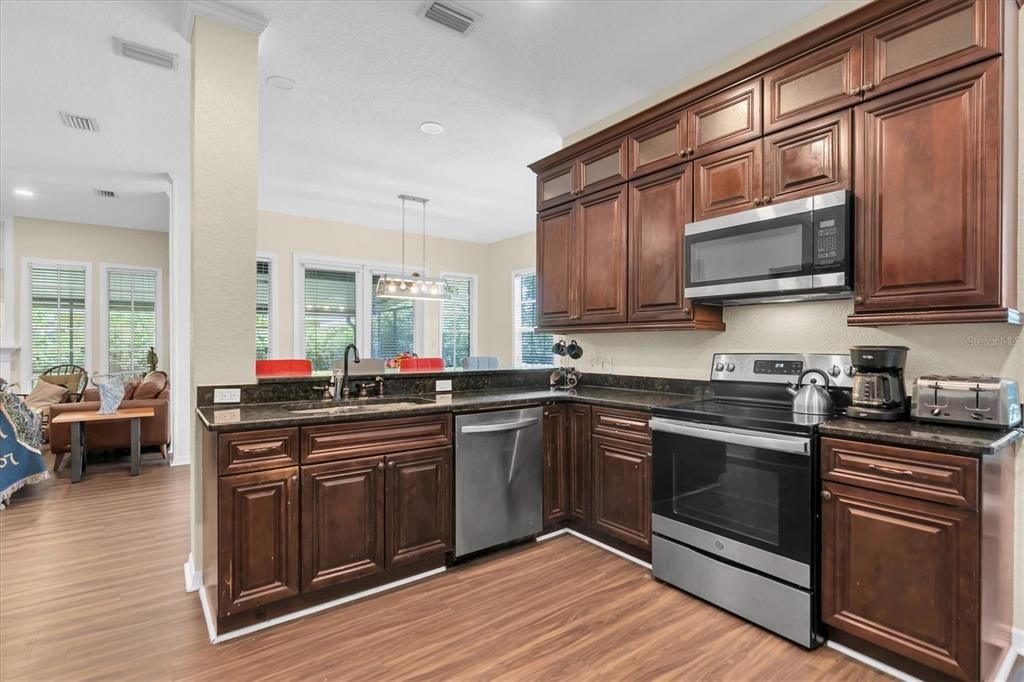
[(45, 394), (152, 386), (111, 393)]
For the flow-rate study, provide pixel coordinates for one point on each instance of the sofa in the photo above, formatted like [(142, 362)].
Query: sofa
[(156, 430)]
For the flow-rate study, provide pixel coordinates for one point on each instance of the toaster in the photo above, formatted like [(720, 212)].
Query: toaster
[(971, 401)]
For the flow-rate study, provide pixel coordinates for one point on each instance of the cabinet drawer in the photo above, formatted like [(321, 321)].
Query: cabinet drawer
[(257, 450), (933, 476), (621, 424), (376, 437)]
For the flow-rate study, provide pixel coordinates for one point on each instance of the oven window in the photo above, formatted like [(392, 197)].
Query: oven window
[(777, 251), (752, 495)]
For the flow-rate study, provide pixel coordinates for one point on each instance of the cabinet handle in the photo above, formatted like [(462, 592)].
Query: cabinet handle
[(855, 91), (826, 495), (858, 299), (867, 86), (765, 199), (622, 422), (261, 449), (890, 470), (757, 201), (380, 465)]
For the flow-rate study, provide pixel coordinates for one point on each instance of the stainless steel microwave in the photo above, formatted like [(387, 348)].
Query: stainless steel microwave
[(796, 250)]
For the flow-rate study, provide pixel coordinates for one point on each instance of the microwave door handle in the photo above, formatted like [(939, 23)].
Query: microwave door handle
[(779, 443)]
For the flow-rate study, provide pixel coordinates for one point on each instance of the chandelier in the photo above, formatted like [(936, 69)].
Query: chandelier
[(413, 285)]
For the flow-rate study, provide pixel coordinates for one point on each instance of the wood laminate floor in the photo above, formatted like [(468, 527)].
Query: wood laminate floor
[(91, 587)]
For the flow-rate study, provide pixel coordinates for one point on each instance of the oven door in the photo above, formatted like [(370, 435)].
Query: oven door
[(744, 496), (763, 251)]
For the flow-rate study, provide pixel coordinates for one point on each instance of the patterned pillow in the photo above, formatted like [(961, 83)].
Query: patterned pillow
[(111, 394)]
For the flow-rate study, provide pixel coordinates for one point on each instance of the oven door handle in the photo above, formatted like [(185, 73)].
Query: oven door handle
[(756, 439)]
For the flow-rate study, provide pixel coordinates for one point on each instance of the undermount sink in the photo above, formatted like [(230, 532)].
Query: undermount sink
[(328, 407)]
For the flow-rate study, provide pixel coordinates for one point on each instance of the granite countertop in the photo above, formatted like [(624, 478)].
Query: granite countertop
[(957, 440), (273, 415)]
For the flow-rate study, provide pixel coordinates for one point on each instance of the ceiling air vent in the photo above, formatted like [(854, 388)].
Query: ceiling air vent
[(451, 15), (79, 122), (105, 193), (150, 55)]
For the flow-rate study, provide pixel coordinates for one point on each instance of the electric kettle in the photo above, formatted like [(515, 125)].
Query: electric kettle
[(810, 398)]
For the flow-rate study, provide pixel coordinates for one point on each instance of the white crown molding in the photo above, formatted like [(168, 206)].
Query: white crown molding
[(222, 12)]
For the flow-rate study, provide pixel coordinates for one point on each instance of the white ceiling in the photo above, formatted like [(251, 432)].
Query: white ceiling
[(345, 141)]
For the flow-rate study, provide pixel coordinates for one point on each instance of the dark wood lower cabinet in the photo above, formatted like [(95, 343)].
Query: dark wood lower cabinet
[(342, 521), (419, 505), (556, 466), (577, 440), (258, 538), (621, 490)]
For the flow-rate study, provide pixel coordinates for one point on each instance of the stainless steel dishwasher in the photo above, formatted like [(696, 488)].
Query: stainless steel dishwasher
[(499, 470)]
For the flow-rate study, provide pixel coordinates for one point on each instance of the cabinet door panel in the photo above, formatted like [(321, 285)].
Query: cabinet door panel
[(902, 574), (808, 159), (622, 500), (658, 145), (419, 505), (927, 184), (556, 185), (556, 262), (601, 256), (930, 40), (578, 450), (255, 450), (826, 80), (556, 466), (728, 181), (603, 167), (342, 521), (659, 207), (258, 538), (725, 119)]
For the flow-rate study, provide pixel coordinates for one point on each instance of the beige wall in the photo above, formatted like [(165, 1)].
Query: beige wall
[(503, 259), (285, 236), (96, 245)]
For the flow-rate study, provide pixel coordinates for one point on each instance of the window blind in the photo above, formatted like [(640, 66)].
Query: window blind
[(392, 325), (131, 319), (329, 316), (456, 322), (531, 348), (263, 312), (58, 316)]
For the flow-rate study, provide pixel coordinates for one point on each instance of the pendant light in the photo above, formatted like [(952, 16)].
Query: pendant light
[(414, 285)]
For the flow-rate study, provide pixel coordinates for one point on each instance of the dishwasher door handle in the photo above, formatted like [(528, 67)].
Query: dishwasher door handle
[(491, 428)]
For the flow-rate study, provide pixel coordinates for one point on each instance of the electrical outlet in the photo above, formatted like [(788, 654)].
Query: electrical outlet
[(227, 395), (443, 385)]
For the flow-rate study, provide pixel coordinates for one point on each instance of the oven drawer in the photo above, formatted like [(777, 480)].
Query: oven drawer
[(932, 476), (622, 424)]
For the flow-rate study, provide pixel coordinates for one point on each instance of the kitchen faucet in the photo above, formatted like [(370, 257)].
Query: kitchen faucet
[(343, 390)]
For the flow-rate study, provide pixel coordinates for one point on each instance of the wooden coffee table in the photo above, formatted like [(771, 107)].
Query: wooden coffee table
[(78, 420)]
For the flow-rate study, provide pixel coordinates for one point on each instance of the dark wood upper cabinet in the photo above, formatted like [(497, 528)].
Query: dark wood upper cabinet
[(258, 538), (821, 82), (725, 119), (600, 265), (556, 266), (658, 145), (577, 443), (603, 167), (621, 490), (659, 206), (902, 574), (342, 521), (808, 159), (928, 224), (929, 40), (728, 181), (556, 185), (556, 466), (419, 505)]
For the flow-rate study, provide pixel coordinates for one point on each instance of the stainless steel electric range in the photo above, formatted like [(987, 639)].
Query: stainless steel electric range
[(735, 492)]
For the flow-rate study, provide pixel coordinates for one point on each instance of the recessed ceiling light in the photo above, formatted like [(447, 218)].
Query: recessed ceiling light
[(281, 82), (431, 128), (24, 193)]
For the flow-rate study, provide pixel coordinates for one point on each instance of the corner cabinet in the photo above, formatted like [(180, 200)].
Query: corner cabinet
[(556, 466)]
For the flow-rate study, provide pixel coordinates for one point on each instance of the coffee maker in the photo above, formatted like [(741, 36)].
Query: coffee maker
[(878, 393)]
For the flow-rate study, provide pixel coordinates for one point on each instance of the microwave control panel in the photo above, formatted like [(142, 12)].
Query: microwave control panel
[(828, 241)]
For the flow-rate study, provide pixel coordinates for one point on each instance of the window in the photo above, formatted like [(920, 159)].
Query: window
[(131, 318), (58, 327), (456, 321), (264, 273), (531, 348), (329, 321), (392, 325)]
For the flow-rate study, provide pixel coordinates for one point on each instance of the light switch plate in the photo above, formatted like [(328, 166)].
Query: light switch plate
[(227, 395), (443, 385)]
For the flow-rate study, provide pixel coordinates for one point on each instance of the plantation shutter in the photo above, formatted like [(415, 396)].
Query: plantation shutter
[(392, 325), (58, 316), (263, 288), (531, 348), (131, 320), (329, 315), (456, 325)]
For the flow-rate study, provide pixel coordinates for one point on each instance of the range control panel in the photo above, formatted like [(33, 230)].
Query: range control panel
[(781, 368), (778, 367)]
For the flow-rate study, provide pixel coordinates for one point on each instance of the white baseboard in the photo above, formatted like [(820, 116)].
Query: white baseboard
[(192, 577), (871, 662), (1018, 640), (596, 543), (1002, 673), (248, 630)]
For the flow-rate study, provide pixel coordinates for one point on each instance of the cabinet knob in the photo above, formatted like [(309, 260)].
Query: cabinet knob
[(757, 201), (826, 495), (867, 86), (380, 465), (858, 299), (682, 153), (765, 199), (391, 465), (686, 311), (855, 91), (689, 150)]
